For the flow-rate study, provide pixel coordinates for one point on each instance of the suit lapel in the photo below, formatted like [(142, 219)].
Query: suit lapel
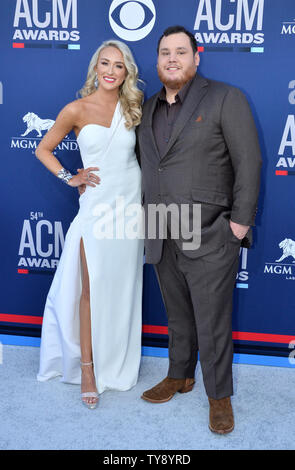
[(196, 92), (150, 125)]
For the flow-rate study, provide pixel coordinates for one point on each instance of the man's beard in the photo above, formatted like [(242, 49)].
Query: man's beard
[(174, 83)]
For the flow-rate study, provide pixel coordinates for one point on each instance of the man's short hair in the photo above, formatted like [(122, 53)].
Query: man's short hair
[(179, 29)]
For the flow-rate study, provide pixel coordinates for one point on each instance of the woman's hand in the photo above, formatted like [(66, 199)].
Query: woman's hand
[(85, 177)]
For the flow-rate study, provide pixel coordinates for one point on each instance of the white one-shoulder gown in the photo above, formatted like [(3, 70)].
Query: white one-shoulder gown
[(115, 267)]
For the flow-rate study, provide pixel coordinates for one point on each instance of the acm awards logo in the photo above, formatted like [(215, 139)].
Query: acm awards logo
[(286, 152), (37, 21), (288, 28), (230, 22), (286, 268), (33, 131), (243, 274), (41, 244), (132, 20)]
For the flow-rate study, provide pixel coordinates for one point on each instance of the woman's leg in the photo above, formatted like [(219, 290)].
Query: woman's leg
[(88, 380)]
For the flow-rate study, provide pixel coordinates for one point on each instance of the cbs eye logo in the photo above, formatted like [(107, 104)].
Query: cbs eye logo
[(132, 20)]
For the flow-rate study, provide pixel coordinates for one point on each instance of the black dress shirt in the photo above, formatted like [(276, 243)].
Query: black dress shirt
[(165, 115)]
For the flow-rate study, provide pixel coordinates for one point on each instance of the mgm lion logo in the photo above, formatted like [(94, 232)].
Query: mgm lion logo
[(288, 247), (34, 123)]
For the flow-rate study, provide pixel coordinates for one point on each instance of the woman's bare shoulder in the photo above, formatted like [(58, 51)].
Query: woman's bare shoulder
[(72, 111), (74, 107)]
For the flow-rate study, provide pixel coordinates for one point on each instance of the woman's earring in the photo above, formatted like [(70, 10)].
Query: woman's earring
[(96, 82)]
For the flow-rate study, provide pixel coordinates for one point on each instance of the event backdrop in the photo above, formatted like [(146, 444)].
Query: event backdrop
[(46, 46)]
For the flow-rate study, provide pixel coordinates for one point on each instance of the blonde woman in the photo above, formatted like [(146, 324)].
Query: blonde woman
[(91, 331)]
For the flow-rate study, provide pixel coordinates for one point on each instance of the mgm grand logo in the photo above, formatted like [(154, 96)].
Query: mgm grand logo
[(285, 264), (34, 129)]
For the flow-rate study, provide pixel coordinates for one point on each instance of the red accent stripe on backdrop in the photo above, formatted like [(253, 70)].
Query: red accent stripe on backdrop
[(238, 335), (263, 337), (163, 330), (23, 271), (282, 172), (18, 45), (11, 318), (157, 330), (200, 48)]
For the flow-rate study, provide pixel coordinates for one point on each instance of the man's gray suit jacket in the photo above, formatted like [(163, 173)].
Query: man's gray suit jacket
[(212, 158)]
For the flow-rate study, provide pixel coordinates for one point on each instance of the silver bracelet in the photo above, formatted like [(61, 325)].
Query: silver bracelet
[(64, 175)]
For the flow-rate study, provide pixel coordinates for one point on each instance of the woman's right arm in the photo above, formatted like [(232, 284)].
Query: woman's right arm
[(65, 122)]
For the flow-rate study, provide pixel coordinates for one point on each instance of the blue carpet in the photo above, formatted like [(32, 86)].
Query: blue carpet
[(49, 415)]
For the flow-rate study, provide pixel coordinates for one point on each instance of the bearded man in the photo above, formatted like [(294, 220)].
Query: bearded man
[(198, 144)]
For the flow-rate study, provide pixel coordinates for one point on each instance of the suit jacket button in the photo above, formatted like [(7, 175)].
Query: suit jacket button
[(160, 169)]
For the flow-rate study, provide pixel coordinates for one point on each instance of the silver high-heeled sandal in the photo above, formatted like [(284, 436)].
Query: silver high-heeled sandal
[(90, 406)]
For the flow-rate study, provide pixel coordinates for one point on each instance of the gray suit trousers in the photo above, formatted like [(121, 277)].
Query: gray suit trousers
[(198, 294)]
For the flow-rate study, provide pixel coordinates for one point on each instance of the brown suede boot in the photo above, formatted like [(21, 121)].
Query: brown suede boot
[(166, 389), (221, 418)]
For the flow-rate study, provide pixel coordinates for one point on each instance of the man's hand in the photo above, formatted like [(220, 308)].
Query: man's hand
[(239, 230)]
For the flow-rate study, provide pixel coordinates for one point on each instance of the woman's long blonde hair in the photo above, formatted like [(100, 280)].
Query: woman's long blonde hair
[(130, 96)]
